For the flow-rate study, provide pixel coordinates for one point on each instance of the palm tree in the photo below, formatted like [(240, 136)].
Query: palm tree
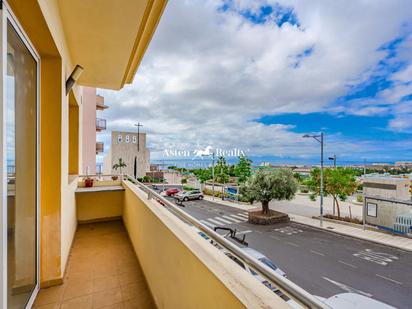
[(119, 165)]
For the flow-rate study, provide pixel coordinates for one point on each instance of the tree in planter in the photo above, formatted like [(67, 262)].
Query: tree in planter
[(243, 169), (338, 183), (119, 165), (267, 185)]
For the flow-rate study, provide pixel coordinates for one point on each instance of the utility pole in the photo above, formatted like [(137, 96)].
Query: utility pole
[(213, 175), (321, 179), (334, 166), (364, 167)]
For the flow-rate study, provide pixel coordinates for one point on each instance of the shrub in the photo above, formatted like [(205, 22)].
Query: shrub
[(218, 193), (188, 188), (359, 198), (184, 180)]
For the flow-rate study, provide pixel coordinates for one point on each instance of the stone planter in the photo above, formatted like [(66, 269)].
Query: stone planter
[(273, 217)]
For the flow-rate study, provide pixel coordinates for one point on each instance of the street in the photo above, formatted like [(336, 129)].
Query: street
[(323, 263)]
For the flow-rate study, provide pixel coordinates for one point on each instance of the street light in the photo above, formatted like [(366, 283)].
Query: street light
[(213, 173), (334, 166), (319, 138)]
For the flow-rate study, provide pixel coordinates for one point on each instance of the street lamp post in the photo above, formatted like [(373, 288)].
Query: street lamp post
[(319, 138), (213, 174), (334, 166)]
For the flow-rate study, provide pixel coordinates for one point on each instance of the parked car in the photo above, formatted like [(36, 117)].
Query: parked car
[(172, 191), (264, 260), (184, 196)]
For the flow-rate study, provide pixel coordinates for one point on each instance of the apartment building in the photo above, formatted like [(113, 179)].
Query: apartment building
[(92, 102), (142, 255)]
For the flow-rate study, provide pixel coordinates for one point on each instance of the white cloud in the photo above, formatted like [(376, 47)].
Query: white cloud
[(207, 73)]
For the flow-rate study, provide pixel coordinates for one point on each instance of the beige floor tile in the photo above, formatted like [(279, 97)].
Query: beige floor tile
[(138, 303), (76, 288), (102, 272), (49, 295), (134, 290), (82, 302), (114, 306), (105, 283), (129, 278), (107, 298), (49, 306)]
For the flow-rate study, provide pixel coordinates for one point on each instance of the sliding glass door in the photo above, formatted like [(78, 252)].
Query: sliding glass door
[(20, 140)]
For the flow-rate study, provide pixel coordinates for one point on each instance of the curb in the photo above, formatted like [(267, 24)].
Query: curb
[(352, 236)]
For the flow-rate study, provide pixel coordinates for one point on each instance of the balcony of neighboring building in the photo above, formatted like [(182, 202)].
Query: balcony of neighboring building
[(131, 251), (100, 103), (100, 124), (99, 147)]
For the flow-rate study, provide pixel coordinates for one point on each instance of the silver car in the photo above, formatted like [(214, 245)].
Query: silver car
[(189, 195)]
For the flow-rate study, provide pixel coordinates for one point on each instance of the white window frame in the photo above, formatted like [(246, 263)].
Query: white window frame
[(134, 139), (6, 15), (127, 139), (372, 209), (119, 138)]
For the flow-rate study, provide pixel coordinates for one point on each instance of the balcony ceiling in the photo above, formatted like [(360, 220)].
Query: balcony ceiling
[(109, 38)]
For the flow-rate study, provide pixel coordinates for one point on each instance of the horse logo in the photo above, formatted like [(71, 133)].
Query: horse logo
[(199, 153)]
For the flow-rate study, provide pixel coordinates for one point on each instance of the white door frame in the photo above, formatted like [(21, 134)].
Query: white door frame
[(6, 15)]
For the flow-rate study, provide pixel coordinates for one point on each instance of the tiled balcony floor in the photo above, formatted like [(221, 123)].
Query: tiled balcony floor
[(103, 272)]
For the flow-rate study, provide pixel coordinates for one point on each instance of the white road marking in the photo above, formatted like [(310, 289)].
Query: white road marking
[(380, 258), (389, 279), (239, 217), (292, 244), (347, 264), (242, 214), (347, 288), (274, 237), (318, 253), (223, 220), (244, 232), (208, 224), (233, 219), (215, 221)]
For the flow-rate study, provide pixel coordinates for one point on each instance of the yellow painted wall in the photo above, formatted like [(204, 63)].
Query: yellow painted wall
[(99, 205), (40, 20), (50, 163), (182, 269)]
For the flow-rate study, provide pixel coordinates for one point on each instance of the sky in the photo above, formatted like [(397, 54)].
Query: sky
[(257, 75)]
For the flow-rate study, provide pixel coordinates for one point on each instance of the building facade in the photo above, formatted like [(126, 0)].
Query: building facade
[(131, 148), (92, 102)]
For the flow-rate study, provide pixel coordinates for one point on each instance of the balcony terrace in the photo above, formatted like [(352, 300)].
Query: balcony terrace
[(132, 250), (102, 271)]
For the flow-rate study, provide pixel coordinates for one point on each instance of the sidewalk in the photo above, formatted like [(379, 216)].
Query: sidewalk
[(357, 232), (235, 204), (351, 231)]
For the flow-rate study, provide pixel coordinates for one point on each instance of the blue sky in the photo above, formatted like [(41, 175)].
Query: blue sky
[(258, 74)]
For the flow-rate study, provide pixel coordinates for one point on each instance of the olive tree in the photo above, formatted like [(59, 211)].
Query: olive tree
[(267, 185)]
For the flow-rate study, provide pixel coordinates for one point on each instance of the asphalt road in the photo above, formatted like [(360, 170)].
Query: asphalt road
[(323, 263)]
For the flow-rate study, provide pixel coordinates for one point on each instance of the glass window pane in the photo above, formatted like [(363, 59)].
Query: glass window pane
[(21, 96)]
